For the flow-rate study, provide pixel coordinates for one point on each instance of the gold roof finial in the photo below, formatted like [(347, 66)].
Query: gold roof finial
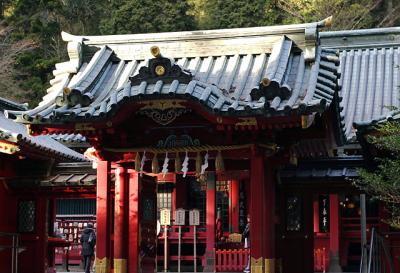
[(328, 21), (265, 82), (155, 51)]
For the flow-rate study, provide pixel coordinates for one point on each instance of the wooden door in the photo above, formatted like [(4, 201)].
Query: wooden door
[(295, 234), (147, 224)]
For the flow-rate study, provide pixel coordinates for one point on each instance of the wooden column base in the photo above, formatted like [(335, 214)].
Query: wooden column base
[(120, 266), (103, 265), (269, 265), (256, 265)]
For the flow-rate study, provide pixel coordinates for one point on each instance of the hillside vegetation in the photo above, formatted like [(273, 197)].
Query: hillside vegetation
[(30, 42)]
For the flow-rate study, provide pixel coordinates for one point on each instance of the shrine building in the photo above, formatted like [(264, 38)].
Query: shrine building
[(205, 132)]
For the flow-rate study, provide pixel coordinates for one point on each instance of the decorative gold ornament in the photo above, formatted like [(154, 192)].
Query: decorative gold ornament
[(246, 122), (219, 163), (103, 265), (84, 127), (265, 82), (178, 164), (155, 168), (328, 21), (137, 162), (163, 111), (155, 51), (66, 91), (8, 148), (162, 104), (160, 70), (120, 266)]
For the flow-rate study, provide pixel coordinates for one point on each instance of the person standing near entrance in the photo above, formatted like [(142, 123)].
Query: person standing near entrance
[(88, 241), (246, 238)]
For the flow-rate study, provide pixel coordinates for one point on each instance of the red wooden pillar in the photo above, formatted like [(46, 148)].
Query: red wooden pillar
[(103, 217), (234, 206), (257, 232), (210, 223), (269, 219), (334, 264), (120, 261), (133, 227), (42, 235)]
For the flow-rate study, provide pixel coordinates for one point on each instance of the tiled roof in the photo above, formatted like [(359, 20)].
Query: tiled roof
[(370, 74), (13, 132), (68, 138), (6, 104), (328, 168), (225, 68), (71, 174)]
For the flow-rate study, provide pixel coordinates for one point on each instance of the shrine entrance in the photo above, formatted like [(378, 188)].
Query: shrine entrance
[(295, 237)]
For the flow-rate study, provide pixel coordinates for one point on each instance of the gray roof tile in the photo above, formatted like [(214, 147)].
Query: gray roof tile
[(17, 133), (370, 75), (220, 83)]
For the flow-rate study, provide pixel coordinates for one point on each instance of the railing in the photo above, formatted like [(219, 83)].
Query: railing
[(320, 257), (379, 259), (233, 260), (14, 247)]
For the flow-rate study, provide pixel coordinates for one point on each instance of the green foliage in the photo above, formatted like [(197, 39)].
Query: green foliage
[(34, 73), (347, 14), (384, 182), (133, 16), (239, 13)]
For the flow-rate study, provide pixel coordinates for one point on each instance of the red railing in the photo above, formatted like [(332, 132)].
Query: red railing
[(320, 257), (233, 260)]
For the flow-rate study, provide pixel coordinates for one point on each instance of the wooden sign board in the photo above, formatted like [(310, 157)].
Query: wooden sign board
[(179, 217), (165, 217), (194, 217)]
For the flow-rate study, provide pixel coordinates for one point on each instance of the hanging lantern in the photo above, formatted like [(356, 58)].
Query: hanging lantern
[(178, 164), (198, 163), (155, 168), (137, 162), (219, 162)]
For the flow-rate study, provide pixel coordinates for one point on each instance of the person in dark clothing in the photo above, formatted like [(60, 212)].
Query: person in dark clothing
[(88, 241), (246, 238)]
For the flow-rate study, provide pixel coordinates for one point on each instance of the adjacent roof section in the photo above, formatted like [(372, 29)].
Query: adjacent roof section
[(15, 133), (269, 71), (71, 140), (370, 74), (6, 104)]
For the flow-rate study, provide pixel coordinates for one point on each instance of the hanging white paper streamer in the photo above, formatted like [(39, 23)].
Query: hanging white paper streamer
[(205, 165), (142, 163), (165, 165), (185, 164)]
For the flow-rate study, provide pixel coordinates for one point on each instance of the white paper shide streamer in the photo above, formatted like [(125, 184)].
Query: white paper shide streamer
[(205, 165), (165, 165), (142, 163), (185, 165)]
